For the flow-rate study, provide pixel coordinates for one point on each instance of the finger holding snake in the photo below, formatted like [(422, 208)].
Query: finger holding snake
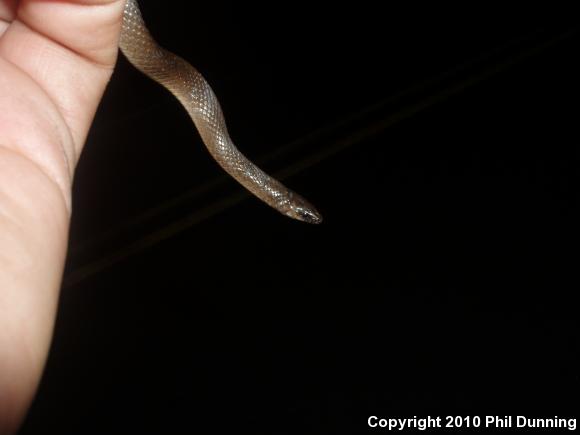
[(56, 58)]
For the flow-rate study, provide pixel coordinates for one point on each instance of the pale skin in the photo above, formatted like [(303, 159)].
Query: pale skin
[(56, 57)]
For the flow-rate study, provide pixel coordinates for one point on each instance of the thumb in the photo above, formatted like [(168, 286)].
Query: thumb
[(86, 27), (69, 48)]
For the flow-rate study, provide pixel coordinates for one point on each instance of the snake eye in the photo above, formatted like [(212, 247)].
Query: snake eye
[(309, 216), (300, 209)]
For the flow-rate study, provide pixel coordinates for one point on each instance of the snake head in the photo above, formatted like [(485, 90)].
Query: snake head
[(296, 207)]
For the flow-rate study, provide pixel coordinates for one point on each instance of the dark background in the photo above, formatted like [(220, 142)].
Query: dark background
[(441, 146)]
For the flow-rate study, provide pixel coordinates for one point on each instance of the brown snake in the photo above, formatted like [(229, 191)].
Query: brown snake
[(197, 97)]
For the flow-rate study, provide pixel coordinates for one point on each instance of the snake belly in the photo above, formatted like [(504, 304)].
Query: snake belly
[(197, 97)]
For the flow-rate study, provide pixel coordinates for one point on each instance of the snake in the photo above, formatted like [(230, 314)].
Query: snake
[(199, 100)]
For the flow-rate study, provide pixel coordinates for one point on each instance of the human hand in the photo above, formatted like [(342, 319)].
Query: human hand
[(56, 57)]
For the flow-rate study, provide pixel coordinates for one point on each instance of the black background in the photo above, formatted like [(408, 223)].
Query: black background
[(441, 146)]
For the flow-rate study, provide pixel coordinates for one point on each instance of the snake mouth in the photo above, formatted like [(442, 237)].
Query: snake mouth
[(310, 216), (300, 209)]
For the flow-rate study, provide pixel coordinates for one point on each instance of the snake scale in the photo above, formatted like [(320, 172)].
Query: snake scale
[(197, 97)]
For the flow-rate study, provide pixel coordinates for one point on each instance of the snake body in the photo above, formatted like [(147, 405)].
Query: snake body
[(197, 97)]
